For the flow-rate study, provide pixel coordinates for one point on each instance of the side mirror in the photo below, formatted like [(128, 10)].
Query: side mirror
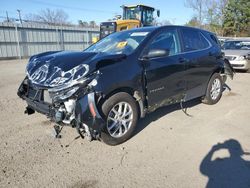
[(156, 53), (158, 13)]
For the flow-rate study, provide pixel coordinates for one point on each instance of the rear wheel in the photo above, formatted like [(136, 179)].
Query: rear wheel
[(214, 90), (121, 115)]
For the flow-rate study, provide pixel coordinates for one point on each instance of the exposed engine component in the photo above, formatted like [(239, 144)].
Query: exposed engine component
[(66, 112), (60, 114), (87, 133)]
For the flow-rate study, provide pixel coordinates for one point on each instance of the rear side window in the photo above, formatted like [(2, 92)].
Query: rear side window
[(215, 39), (193, 40)]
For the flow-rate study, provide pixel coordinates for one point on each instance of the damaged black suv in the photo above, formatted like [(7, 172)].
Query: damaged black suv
[(104, 90)]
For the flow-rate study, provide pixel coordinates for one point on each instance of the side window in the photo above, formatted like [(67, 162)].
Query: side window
[(168, 40), (214, 38), (194, 40)]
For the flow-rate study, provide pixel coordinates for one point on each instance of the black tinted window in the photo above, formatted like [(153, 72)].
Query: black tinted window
[(193, 40), (168, 40), (214, 39)]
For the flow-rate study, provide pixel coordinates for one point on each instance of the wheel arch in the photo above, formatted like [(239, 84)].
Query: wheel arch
[(138, 96), (219, 70)]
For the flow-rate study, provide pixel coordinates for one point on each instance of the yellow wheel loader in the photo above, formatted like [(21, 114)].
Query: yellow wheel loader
[(133, 16)]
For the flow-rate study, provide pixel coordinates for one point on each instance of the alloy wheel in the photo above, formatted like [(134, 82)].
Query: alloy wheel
[(119, 119), (216, 89)]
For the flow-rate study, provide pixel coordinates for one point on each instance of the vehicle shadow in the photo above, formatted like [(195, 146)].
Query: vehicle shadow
[(160, 112), (242, 71), (229, 172), (157, 114)]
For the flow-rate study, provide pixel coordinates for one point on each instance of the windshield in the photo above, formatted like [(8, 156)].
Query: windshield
[(236, 45), (119, 43), (132, 13)]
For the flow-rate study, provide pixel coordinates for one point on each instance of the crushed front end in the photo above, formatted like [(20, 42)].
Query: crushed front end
[(66, 97), (75, 106)]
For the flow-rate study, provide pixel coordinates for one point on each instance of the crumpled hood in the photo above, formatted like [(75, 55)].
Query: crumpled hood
[(236, 52), (52, 69)]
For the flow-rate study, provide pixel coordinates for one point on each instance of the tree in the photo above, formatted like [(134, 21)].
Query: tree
[(83, 23), (157, 22), (51, 17), (237, 18), (224, 17), (199, 7), (92, 24), (194, 22), (214, 15)]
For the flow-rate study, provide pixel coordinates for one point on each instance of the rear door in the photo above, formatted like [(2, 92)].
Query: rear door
[(165, 75), (200, 60)]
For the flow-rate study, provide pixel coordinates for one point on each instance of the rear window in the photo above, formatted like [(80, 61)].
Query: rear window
[(194, 40)]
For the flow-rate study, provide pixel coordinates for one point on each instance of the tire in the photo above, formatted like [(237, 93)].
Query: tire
[(213, 95), (120, 112)]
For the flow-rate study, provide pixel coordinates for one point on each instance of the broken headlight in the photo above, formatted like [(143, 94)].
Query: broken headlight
[(66, 91), (63, 94)]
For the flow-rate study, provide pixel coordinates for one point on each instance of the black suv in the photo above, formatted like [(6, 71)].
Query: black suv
[(104, 90)]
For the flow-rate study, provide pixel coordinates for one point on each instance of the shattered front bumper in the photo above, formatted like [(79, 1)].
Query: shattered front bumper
[(87, 112), (84, 112)]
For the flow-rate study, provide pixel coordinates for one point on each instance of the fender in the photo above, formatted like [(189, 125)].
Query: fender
[(87, 113)]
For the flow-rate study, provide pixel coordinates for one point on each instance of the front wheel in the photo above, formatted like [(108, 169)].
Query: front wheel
[(121, 114), (214, 90)]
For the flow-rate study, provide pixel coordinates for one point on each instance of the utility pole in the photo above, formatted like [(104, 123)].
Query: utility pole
[(19, 14), (7, 16)]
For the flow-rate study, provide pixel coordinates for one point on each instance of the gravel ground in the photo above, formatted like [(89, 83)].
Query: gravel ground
[(170, 149)]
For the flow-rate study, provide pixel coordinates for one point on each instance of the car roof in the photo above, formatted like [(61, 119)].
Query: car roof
[(152, 28), (238, 40), (144, 29)]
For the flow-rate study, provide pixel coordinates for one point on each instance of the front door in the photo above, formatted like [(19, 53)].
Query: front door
[(165, 76)]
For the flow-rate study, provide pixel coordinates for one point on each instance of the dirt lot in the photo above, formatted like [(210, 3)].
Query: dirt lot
[(170, 149)]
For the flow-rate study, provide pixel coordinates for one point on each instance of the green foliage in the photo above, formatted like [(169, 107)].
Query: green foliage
[(214, 16), (224, 17), (194, 22), (237, 18)]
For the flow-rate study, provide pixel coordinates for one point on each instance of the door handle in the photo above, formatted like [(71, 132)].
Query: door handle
[(183, 60)]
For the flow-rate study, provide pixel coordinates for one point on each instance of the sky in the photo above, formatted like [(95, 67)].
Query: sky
[(97, 10)]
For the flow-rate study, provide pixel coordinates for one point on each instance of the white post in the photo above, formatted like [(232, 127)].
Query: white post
[(58, 39), (18, 44), (87, 37)]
